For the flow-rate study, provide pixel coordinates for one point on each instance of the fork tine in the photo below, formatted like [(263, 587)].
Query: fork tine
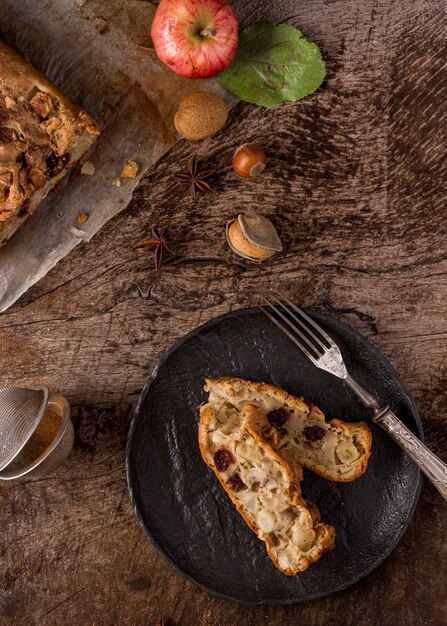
[(317, 327), (289, 334), (301, 323), (296, 330)]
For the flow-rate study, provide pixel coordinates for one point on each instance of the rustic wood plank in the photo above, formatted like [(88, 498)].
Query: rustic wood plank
[(354, 185)]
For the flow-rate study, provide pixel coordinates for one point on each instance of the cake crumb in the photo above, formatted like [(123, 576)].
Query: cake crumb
[(116, 182), (88, 168), (130, 170), (93, 129)]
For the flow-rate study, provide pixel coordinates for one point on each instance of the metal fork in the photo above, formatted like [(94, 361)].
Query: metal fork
[(325, 354)]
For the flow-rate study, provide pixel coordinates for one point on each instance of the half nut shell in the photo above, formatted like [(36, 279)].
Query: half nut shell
[(253, 237)]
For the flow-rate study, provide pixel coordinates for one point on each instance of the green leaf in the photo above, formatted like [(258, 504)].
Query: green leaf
[(274, 64)]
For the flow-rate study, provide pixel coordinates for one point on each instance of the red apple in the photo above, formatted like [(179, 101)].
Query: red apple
[(195, 38)]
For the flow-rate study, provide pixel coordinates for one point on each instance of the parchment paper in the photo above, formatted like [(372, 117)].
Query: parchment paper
[(91, 50)]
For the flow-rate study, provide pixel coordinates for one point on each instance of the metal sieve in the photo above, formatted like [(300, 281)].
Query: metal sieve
[(21, 411)]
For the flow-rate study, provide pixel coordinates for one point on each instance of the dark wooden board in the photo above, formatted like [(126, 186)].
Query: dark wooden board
[(356, 188)]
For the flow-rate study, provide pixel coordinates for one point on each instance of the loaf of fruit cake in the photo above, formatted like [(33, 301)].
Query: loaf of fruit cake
[(42, 135)]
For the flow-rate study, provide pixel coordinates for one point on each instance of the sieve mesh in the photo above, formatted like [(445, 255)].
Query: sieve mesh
[(20, 412)]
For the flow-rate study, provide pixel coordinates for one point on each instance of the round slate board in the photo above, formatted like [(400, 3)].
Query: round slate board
[(185, 512)]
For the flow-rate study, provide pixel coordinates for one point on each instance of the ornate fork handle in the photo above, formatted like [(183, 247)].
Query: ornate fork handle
[(428, 462)]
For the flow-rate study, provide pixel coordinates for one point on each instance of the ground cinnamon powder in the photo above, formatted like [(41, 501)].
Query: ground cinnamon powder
[(41, 438)]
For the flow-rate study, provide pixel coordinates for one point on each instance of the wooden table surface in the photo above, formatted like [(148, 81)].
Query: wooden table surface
[(355, 187)]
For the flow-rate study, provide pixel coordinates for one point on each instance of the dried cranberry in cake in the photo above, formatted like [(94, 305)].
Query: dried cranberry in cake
[(314, 433), (56, 163), (223, 459), (278, 417), (235, 482)]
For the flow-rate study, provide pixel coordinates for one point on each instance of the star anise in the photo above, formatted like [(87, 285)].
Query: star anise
[(194, 178), (158, 243)]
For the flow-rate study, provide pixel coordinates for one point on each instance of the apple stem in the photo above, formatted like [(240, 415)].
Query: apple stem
[(208, 32)]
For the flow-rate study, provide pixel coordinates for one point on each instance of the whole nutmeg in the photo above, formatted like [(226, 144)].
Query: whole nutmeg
[(249, 160), (200, 114), (253, 237)]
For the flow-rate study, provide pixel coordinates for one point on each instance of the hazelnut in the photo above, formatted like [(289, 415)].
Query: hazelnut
[(42, 104), (200, 114), (249, 160), (253, 237), (9, 153)]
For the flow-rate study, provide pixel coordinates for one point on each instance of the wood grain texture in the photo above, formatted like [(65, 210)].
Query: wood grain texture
[(356, 187)]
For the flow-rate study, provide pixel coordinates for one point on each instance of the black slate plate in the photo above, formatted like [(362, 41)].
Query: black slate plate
[(185, 512)]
